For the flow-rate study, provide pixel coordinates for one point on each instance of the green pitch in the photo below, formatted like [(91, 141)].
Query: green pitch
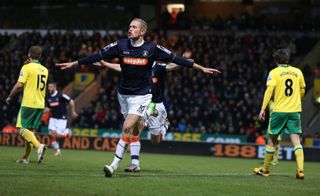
[(80, 173)]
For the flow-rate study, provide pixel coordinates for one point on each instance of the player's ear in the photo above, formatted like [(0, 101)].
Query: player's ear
[(143, 31)]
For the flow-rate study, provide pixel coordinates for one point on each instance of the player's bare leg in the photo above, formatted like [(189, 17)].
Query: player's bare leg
[(135, 147), (123, 143), (54, 143)]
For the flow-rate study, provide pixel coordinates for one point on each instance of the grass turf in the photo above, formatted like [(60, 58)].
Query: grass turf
[(80, 173)]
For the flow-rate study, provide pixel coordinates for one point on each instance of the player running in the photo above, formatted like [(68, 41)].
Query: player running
[(57, 104)]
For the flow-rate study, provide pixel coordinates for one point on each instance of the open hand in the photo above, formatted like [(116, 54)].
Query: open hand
[(66, 65), (99, 63), (210, 71), (8, 100), (262, 115)]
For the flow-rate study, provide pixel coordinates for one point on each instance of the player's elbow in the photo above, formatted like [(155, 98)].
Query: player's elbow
[(19, 86)]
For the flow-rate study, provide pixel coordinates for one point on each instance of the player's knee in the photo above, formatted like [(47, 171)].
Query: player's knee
[(127, 132)]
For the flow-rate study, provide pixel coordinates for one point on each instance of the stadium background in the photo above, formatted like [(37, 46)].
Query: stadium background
[(237, 37), (212, 117)]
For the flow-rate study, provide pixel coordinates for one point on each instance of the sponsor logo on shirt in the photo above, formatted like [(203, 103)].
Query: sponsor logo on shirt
[(21, 73), (135, 61), (125, 52)]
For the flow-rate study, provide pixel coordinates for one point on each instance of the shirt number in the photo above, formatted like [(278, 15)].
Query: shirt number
[(288, 91), (41, 84)]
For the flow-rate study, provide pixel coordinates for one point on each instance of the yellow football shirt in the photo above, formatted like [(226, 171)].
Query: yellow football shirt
[(34, 77), (287, 82), (271, 106)]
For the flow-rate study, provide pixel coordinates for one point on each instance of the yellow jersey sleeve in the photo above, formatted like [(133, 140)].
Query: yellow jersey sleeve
[(23, 75), (271, 80), (302, 82)]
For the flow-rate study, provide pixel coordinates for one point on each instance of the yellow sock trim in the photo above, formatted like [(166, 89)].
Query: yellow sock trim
[(29, 137), (298, 151), (268, 157)]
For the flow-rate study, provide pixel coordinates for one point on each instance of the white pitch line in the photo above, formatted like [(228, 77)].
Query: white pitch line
[(149, 174)]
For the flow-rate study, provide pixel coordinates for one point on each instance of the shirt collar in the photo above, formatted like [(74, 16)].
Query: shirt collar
[(35, 61), (283, 65), (136, 45), (54, 93)]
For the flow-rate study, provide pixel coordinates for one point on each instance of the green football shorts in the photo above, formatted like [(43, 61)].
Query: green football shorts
[(29, 118), (284, 122)]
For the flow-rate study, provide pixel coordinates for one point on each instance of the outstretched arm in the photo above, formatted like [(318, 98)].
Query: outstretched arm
[(114, 66), (67, 65), (89, 59), (108, 52), (15, 90), (172, 67), (163, 54), (207, 70)]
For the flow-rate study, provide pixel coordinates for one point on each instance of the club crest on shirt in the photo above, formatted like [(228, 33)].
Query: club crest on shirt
[(145, 53), (154, 80), (269, 78)]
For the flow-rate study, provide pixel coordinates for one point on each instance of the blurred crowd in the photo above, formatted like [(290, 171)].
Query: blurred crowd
[(245, 21), (227, 104)]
